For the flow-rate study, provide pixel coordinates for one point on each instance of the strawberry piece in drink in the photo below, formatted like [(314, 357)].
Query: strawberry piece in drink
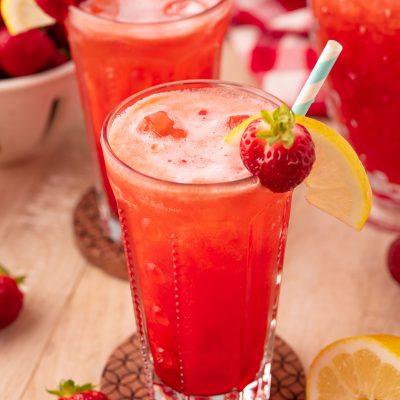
[(159, 123), (235, 120)]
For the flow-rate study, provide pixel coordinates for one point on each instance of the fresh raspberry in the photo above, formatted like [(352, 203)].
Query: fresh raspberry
[(393, 260), (280, 153), (58, 9), (69, 390), (26, 53), (11, 298)]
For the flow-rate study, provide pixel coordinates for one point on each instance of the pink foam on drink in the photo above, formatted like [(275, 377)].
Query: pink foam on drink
[(145, 11), (201, 156)]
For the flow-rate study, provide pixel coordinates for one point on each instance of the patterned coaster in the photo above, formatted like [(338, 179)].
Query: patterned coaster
[(97, 248), (123, 377)]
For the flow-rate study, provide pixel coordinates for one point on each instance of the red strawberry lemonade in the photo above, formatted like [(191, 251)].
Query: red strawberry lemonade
[(123, 46), (204, 240), (365, 89)]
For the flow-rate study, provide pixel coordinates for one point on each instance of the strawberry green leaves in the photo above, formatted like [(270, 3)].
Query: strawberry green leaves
[(69, 388), (281, 123)]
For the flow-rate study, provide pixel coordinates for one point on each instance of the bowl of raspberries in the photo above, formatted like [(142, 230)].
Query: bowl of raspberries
[(38, 91)]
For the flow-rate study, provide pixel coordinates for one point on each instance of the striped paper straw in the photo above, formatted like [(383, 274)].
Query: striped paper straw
[(317, 77)]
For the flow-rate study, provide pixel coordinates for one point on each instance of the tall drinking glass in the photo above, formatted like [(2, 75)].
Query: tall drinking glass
[(204, 241), (123, 46), (365, 87)]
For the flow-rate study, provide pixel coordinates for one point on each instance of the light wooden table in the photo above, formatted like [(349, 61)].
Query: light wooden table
[(335, 279)]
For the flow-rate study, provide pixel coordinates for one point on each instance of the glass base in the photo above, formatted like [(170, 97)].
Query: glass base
[(110, 222), (385, 215), (256, 390)]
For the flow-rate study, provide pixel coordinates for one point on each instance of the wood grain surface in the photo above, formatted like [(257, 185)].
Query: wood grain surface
[(335, 281)]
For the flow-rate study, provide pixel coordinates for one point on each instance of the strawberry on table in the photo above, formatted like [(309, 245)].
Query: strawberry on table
[(276, 150), (71, 391), (11, 298)]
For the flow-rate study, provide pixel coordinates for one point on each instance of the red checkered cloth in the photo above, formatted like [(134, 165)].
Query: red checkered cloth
[(273, 39)]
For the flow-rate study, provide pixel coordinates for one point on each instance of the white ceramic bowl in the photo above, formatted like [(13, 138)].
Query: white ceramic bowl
[(35, 108)]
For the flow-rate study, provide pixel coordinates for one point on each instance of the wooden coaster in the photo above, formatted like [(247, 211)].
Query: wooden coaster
[(123, 377), (97, 248)]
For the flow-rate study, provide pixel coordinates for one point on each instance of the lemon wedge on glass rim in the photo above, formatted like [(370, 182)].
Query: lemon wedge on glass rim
[(21, 15), (357, 368), (337, 183)]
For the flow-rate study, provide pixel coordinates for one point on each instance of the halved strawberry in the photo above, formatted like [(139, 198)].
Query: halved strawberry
[(278, 151)]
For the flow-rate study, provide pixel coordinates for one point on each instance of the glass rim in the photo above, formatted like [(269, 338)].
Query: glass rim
[(106, 147), (157, 23)]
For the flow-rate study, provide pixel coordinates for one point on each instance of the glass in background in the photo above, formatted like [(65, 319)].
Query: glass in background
[(365, 90), (123, 46)]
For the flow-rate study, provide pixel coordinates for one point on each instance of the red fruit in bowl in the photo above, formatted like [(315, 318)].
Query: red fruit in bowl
[(278, 151), (11, 298), (57, 9), (69, 390), (26, 53), (59, 34), (59, 59)]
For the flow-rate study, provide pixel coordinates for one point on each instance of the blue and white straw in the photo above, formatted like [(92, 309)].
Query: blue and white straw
[(317, 77)]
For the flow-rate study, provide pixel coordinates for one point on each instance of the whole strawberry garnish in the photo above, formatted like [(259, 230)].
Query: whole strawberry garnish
[(394, 260), (58, 9), (26, 53), (278, 151), (69, 390), (11, 298)]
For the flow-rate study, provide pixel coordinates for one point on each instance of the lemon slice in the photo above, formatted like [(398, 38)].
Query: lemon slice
[(338, 183), (22, 15), (357, 368)]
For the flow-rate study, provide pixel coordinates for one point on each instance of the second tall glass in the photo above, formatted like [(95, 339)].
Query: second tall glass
[(364, 96), (123, 46)]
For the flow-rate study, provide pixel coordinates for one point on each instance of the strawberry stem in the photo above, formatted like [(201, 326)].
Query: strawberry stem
[(3, 271), (69, 388), (18, 279), (281, 122)]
